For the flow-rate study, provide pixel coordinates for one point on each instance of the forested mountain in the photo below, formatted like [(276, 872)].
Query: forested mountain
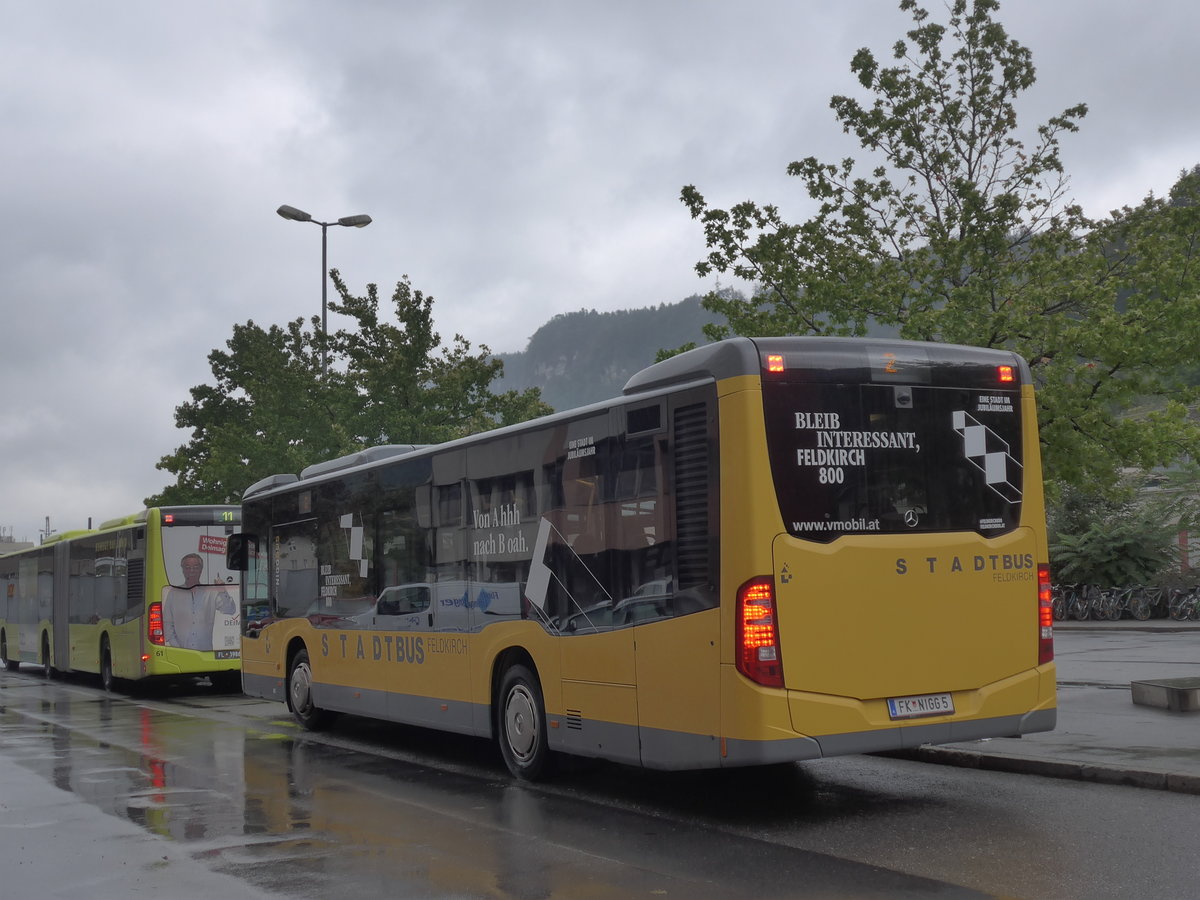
[(581, 357)]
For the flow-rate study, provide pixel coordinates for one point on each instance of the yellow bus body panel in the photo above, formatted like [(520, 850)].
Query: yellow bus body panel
[(868, 617), (678, 672), (865, 618)]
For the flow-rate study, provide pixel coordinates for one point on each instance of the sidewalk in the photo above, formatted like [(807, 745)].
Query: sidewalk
[(56, 845), (1102, 735)]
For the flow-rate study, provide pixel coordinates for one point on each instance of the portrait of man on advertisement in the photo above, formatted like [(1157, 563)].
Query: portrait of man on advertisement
[(199, 612)]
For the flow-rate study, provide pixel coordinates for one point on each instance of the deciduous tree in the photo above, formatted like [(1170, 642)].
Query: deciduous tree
[(963, 231), (272, 409)]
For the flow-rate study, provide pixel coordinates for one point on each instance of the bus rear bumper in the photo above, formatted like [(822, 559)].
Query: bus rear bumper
[(906, 737), (764, 726), (189, 665), (909, 737)]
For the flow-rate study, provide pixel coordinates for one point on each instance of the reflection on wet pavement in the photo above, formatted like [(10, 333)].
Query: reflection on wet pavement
[(251, 796)]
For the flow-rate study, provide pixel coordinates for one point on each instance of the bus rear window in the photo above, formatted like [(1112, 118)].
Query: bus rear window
[(894, 458)]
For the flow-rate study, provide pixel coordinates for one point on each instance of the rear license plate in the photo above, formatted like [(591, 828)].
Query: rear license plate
[(922, 705), (229, 654)]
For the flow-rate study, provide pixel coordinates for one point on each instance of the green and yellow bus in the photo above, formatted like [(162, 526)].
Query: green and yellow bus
[(143, 596), (765, 550)]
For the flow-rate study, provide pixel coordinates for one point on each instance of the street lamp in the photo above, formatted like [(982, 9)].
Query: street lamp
[(299, 215)]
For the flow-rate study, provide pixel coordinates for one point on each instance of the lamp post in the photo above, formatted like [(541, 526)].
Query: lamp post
[(299, 215)]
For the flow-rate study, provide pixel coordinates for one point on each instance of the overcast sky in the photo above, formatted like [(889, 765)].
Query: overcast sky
[(519, 159)]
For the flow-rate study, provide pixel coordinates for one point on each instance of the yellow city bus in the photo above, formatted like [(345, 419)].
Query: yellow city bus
[(765, 550), (143, 596)]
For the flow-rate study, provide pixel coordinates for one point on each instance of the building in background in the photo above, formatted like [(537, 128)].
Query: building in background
[(7, 544)]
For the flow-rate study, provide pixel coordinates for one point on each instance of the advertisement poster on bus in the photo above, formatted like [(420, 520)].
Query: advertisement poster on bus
[(200, 610)]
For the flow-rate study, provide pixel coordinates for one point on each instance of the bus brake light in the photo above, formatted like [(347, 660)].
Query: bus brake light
[(774, 362), (1045, 616), (154, 624), (1006, 374), (758, 654)]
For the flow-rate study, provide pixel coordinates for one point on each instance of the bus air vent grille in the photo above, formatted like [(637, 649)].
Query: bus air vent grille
[(691, 495), (136, 583)]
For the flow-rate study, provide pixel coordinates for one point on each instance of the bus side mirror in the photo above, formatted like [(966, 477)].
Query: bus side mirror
[(237, 551)]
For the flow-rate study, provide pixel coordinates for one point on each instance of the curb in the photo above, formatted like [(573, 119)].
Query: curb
[(970, 759), (1168, 626)]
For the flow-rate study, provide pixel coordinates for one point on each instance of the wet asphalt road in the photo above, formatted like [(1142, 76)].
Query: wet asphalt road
[(370, 809)]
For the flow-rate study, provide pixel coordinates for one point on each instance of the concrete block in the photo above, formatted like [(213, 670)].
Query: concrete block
[(1177, 694)]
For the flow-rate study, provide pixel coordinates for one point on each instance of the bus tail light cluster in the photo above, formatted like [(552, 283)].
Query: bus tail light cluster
[(758, 654), (154, 624), (1045, 616)]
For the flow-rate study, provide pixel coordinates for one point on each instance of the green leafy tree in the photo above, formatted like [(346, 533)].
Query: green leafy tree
[(1117, 538), (1114, 554), (963, 232), (273, 410), (402, 385), (269, 411)]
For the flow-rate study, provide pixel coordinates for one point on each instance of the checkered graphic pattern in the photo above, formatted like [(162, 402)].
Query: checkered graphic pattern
[(986, 451)]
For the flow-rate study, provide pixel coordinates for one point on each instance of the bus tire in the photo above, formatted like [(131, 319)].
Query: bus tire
[(10, 664), (299, 694), (47, 668), (107, 680), (521, 725)]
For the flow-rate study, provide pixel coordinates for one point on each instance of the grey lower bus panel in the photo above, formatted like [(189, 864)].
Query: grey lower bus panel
[(911, 736), (659, 748)]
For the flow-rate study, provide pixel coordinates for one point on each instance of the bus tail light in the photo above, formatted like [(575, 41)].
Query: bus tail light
[(154, 624), (1045, 616), (758, 653)]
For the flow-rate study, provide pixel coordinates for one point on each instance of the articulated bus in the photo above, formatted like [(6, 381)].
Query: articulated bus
[(143, 596), (765, 550)]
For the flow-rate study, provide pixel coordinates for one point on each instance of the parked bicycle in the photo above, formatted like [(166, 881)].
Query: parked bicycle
[(1058, 600), (1184, 604), (1141, 602), (1071, 601), (1129, 601), (1103, 604)]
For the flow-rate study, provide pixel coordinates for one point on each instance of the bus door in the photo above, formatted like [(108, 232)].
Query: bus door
[(59, 612), (290, 549), (423, 553)]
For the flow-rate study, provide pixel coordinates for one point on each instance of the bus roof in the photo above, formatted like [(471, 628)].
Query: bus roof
[(744, 356), (183, 515), (712, 362)]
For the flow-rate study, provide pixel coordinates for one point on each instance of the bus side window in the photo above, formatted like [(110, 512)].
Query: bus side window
[(642, 554), (403, 549), (579, 596)]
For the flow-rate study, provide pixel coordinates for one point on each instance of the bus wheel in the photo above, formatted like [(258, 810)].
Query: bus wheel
[(299, 694), (521, 725), (47, 669), (106, 672), (10, 664)]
